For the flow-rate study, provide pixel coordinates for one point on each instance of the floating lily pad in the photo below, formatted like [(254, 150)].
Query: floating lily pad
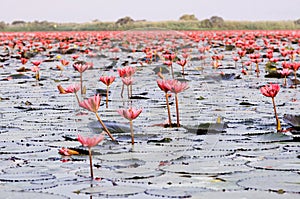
[(243, 194), (113, 191), (207, 128), (271, 137), (281, 183), (25, 177), (169, 193), (30, 195), (276, 164), (293, 120), (205, 168)]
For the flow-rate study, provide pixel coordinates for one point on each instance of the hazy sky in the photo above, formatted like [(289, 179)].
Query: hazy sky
[(150, 10)]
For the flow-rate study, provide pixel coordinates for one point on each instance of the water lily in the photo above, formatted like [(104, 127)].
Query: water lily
[(130, 114), (90, 142), (271, 90), (164, 85), (126, 72), (81, 68), (70, 89), (285, 72), (107, 80), (177, 87), (92, 104)]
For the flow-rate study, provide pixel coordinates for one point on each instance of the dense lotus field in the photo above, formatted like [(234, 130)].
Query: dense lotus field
[(191, 114)]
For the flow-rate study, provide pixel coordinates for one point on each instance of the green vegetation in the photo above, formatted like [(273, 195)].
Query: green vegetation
[(186, 22)]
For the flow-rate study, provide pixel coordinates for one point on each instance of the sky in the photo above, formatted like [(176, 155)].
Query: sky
[(151, 10)]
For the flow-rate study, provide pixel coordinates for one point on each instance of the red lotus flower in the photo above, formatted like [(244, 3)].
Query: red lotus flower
[(74, 57), (90, 141), (107, 80), (24, 60), (242, 53), (64, 62), (36, 63), (270, 90)]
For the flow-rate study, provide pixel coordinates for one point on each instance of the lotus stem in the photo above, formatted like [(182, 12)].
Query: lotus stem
[(177, 109), (107, 90), (131, 132), (122, 90), (128, 92), (91, 163), (104, 127), (172, 71), (278, 125), (77, 97), (169, 112), (295, 81), (81, 88), (284, 82)]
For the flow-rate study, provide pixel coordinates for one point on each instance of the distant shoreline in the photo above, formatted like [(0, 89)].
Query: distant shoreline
[(126, 23)]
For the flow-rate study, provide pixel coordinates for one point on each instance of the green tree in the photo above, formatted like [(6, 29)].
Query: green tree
[(188, 17)]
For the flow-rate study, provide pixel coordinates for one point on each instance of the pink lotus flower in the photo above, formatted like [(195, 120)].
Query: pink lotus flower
[(67, 152), (107, 80), (70, 89), (177, 86), (130, 114), (92, 104), (126, 71), (128, 81), (90, 141), (285, 72), (164, 85), (126, 74), (182, 63), (271, 90), (80, 67)]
